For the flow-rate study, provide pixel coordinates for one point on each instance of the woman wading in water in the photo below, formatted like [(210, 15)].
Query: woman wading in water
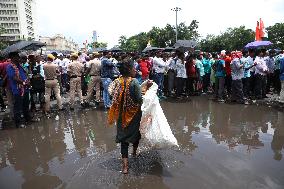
[(126, 109)]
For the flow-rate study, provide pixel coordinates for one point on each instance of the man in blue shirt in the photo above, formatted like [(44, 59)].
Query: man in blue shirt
[(107, 74), (19, 84), (220, 79)]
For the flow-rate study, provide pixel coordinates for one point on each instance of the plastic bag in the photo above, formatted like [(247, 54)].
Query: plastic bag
[(154, 126)]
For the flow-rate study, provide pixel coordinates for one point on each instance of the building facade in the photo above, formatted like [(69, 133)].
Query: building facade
[(59, 42), (18, 18)]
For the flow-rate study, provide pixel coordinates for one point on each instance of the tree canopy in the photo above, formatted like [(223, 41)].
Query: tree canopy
[(159, 37), (231, 39), (276, 35)]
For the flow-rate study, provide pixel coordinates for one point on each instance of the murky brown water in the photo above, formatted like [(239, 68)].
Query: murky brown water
[(222, 146)]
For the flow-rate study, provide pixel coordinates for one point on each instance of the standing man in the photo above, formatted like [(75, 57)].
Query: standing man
[(19, 84), (75, 70), (270, 63), (51, 82), (228, 77), (107, 74), (171, 73), (260, 75), (37, 81), (237, 76), (207, 70), (159, 66), (95, 81), (220, 80), (64, 76)]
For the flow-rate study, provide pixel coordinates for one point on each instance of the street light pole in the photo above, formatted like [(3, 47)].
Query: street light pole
[(176, 9)]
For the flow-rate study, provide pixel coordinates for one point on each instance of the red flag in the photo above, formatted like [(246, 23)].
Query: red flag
[(261, 29), (257, 32)]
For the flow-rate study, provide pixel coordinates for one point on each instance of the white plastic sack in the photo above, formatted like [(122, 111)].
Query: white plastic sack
[(154, 126)]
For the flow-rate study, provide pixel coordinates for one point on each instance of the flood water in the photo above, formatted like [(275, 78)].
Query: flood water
[(221, 146)]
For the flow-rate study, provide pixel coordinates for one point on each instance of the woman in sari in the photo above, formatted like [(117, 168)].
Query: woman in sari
[(126, 109)]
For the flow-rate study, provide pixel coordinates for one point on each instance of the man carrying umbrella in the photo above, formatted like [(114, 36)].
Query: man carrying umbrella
[(19, 84)]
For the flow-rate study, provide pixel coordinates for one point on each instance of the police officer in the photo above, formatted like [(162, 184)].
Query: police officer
[(51, 83), (75, 70), (94, 72)]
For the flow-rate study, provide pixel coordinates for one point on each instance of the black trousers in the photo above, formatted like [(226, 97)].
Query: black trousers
[(180, 85), (246, 87), (269, 83), (237, 91), (124, 148), (228, 84), (21, 105), (260, 86), (206, 82), (34, 93), (190, 85), (252, 84), (2, 104), (276, 81)]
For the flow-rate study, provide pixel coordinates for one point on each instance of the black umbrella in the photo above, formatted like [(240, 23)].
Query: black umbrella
[(169, 49), (23, 45), (115, 49), (185, 45), (147, 49)]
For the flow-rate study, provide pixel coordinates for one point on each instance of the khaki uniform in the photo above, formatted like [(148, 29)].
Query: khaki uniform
[(51, 83), (95, 66), (75, 69)]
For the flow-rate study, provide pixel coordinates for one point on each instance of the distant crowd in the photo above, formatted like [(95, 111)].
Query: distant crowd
[(31, 81)]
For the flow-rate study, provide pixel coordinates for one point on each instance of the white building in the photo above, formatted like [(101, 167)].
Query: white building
[(18, 18), (59, 42)]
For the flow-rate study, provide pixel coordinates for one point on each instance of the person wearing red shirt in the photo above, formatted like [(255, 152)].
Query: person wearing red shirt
[(228, 78), (4, 84), (191, 74), (144, 68)]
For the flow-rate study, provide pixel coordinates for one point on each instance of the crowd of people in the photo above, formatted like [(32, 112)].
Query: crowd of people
[(30, 81)]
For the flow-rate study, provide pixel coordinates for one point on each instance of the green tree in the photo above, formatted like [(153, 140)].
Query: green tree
[(99, 45), (276, 35), (159, 37), (231, 39)]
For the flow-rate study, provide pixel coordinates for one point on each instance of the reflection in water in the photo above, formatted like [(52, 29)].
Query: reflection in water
[(49, 154)]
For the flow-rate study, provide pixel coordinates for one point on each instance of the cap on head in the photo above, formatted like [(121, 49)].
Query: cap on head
[(74, 55), (50, 56)]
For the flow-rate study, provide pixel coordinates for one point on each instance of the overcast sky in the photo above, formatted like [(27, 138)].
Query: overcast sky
[(113, 18)]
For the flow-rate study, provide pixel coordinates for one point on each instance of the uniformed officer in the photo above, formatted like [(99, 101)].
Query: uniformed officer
[(51, 71), (94, 72), (75, 70)]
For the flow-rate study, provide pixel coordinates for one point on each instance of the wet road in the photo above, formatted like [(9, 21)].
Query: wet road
[(221, 146)]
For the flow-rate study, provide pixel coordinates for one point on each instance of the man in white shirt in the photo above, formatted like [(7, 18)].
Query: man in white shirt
[(260, 75), (171, 73), (64, 76), (159, 67)]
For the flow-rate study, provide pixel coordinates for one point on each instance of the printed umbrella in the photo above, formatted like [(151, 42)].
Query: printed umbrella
[(257, 44), (23, 45)]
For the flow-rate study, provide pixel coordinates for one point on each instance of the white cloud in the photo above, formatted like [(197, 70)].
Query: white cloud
[(113, 18)]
